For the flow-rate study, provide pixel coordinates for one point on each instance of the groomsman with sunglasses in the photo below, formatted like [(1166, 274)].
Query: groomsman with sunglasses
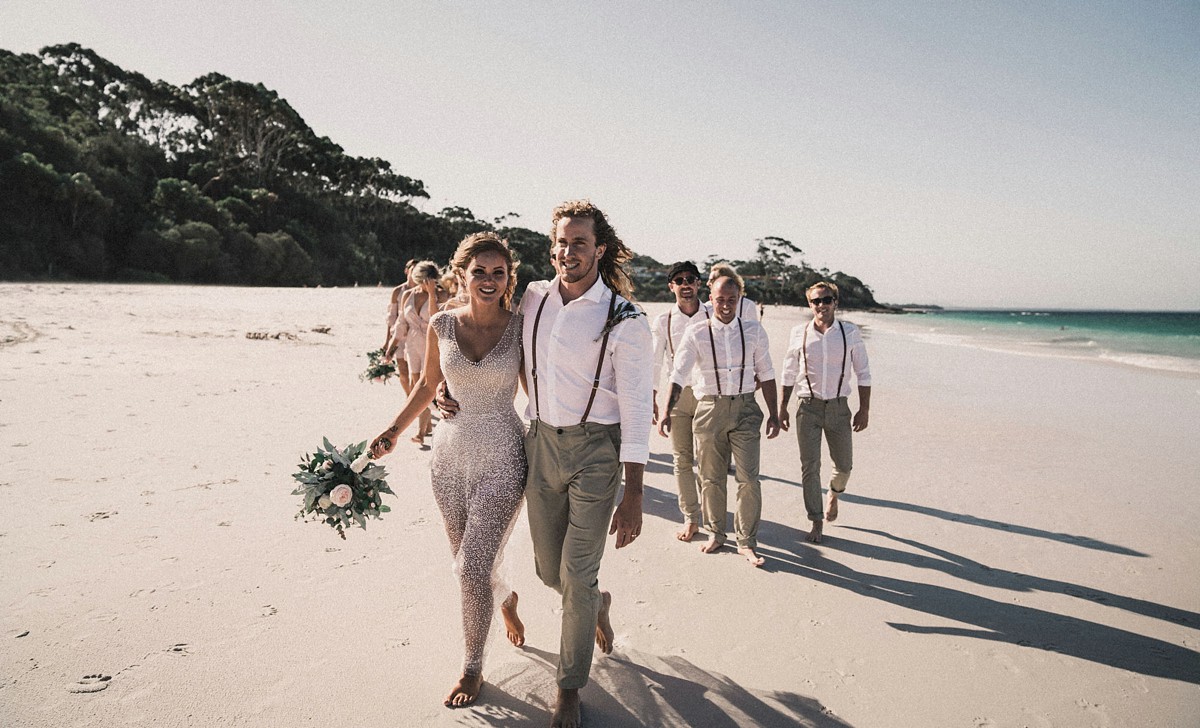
[(727, 353), (684, 281), (822, 354)]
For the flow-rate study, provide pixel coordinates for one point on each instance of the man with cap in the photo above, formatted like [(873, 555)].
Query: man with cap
[(683, 279)]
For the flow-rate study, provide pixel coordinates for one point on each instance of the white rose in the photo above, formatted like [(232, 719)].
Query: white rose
[(323, 502), (341, 495), (328, 465), (361, 463)]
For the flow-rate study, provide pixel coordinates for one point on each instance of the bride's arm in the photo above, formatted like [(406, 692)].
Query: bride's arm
[(418, 399), (524, 385)]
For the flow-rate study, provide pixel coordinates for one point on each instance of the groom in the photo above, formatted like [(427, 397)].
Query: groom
[(588, 368)]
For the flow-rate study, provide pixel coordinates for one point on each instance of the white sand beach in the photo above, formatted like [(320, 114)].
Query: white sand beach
[(1017, 547)]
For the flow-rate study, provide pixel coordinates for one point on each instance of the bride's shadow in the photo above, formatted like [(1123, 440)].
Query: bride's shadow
[(629, 688)]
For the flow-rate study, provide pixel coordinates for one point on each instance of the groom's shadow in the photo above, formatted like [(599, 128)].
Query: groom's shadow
[(632, 689)]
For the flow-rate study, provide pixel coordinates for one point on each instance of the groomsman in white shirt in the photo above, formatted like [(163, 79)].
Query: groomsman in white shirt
[(683, 279), (820, 358), (728, 353), (747, 309)]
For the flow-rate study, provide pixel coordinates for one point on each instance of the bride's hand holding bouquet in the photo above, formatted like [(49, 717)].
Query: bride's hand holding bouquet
[(341, 487)]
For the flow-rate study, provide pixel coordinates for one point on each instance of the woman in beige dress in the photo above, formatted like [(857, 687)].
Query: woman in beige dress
[(393, 347), (416, 309)]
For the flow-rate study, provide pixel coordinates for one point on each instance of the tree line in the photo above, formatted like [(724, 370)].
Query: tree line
[(106, 175)]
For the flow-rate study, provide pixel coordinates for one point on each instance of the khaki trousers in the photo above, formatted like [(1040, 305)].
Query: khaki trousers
[(730, 426), (570, 493), (683, 456), (830, 417)]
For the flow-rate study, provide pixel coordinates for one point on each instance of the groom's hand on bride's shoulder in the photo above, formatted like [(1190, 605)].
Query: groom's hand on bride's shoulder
[(445, 403)]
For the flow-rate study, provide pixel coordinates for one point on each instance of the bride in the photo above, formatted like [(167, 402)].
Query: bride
[(478, 463)]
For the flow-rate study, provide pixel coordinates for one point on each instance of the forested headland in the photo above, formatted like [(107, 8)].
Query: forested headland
[(106, 175)]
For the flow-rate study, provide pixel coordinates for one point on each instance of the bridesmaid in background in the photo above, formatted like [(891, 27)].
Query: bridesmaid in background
[(416, 310), (392, 345)]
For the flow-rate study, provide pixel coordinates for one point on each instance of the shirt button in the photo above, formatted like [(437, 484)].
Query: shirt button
[(559, 430)]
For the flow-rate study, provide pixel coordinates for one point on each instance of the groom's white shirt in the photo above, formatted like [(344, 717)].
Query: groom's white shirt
[(568, 344)]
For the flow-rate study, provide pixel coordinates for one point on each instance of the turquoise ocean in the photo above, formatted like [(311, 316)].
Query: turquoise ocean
[(1162, 340)]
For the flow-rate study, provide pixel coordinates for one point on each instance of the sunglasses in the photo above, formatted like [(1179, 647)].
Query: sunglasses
[(822, 299), (684, 280)]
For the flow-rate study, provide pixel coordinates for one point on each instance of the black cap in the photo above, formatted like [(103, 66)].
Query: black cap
[(683, 266)]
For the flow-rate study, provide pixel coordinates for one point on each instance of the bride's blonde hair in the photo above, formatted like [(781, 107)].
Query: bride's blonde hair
[(477, 243)]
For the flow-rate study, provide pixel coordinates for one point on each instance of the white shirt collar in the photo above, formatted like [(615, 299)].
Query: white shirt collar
[(596, 293)]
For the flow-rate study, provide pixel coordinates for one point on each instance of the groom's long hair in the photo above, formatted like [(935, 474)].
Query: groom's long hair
[(616, 253)]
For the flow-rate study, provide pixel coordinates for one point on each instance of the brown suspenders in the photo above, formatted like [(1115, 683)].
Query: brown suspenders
[(670, 343), (537, 404), (804, 354), (716, 367)]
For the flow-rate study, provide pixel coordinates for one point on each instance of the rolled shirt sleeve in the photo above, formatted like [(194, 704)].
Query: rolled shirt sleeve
[(660, 350), (628, 349), (858, 356), (763, 369), (791, 359)]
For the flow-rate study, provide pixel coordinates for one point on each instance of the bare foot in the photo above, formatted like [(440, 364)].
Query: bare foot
[(712, 545), (566, 712), (814, 536), (418, 439), (464, 692), (512, 623), (831, 514), (751, 556), (604, 630), (689, 530)]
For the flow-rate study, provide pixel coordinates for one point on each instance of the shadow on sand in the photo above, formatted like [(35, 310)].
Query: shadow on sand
[(1084, 541), (629, 689), (1002, 621)]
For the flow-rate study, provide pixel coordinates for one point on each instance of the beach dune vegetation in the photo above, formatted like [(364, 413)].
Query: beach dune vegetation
[(106, 175)]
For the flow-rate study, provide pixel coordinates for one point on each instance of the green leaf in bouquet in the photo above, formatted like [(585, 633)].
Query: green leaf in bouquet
[(385, 509), (310, 498), (362, 522), (328, 445)]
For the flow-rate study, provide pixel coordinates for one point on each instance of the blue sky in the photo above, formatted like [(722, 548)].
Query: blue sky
[(976, 154)]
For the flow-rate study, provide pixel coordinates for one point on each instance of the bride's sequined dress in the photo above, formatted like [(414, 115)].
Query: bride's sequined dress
[(478, 473)]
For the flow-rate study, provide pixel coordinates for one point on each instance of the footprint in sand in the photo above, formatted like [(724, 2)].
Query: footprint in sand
[(89, 684), (98, 515), (268, 610), (179, 649)]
